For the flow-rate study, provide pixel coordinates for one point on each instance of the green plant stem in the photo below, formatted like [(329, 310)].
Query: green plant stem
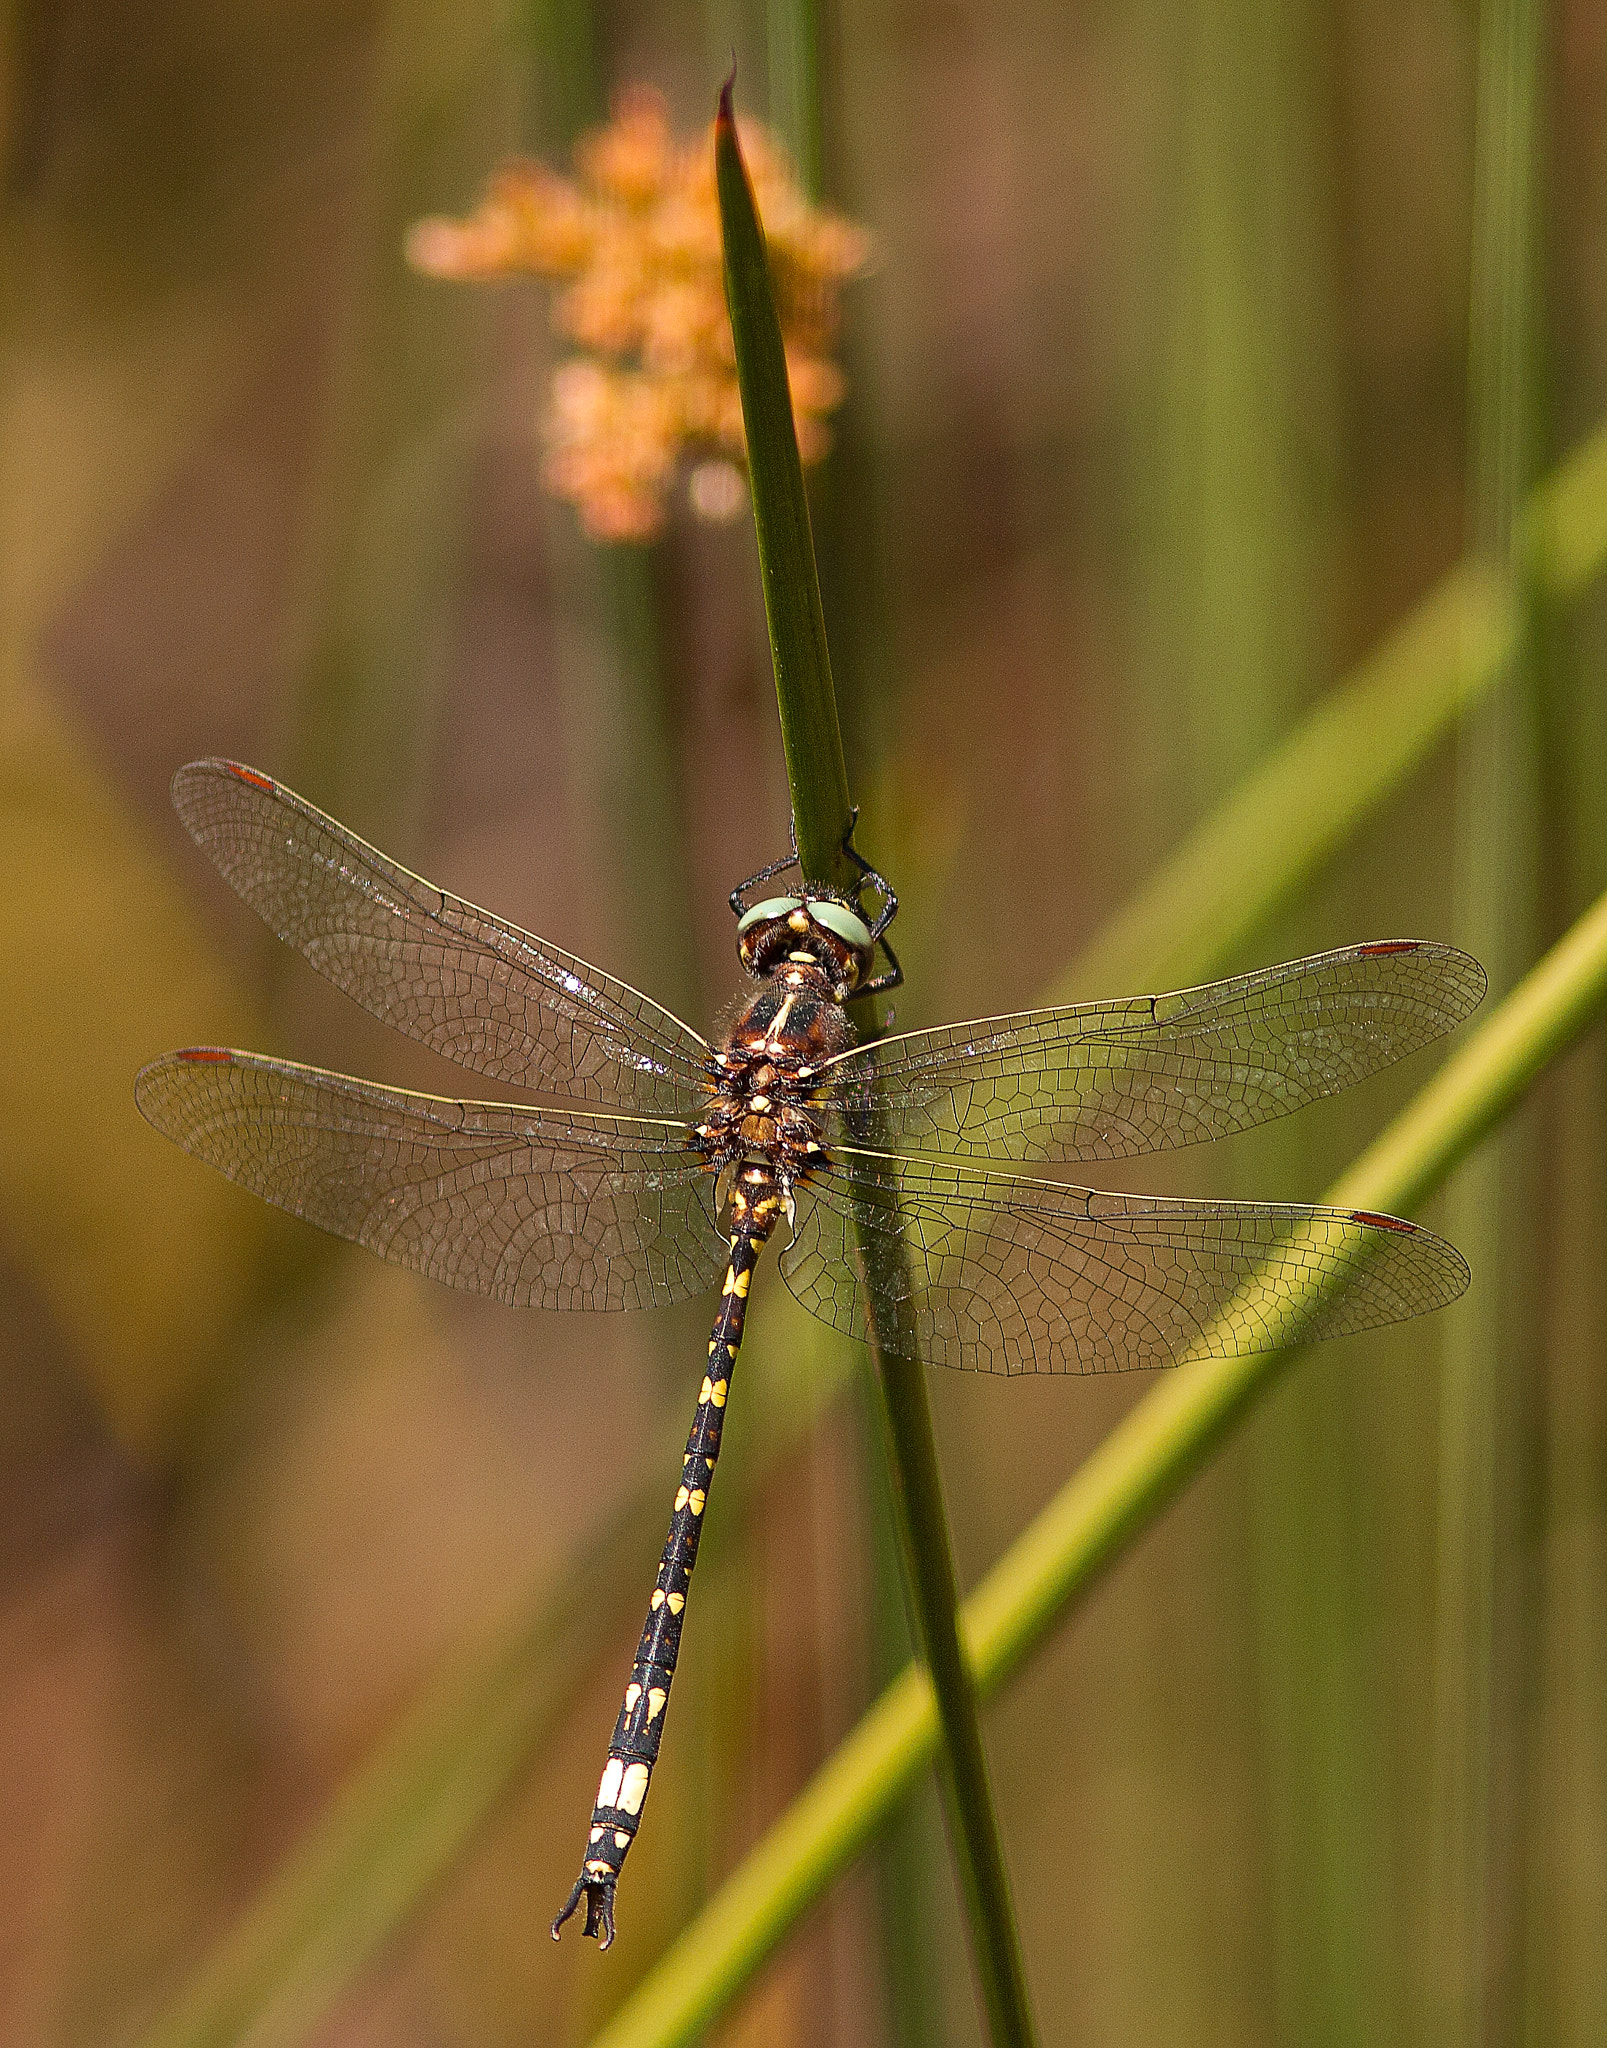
[(818, 779), (792, 36), (1488, 1470), (811, 736), (1117, 1493), (928, 1560)]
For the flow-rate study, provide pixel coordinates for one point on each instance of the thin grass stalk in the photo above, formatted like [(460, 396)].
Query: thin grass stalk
[(565, 77), (911, 1857), (1108, 1502), (632, 768), (304, 1939), (811, 736), (792, 42), (1240, 463), (822, 819), (1564, 1959), (1359, 745), (383, 528), (623, 756), (1479, 1622)]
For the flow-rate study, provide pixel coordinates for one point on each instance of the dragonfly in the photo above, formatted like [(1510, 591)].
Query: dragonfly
[(655, 1163)]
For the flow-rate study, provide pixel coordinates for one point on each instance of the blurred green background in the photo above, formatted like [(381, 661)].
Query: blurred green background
[(1200, 345)]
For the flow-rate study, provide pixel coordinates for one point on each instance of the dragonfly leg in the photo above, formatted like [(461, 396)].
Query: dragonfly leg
[(894, 977), (633, 1752), (776, 867)]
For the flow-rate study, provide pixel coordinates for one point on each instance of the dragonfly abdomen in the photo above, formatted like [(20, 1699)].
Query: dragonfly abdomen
[(622, 1790)]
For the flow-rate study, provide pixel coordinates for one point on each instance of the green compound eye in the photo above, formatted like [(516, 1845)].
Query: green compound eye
[(762, 913), (838, 918)]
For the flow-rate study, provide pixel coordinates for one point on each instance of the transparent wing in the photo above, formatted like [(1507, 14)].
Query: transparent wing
[(995, 1273), (1108, 1080), (486, 994), (536, 1208)]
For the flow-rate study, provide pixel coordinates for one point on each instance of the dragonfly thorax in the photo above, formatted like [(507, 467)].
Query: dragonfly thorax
[(765, 1090)]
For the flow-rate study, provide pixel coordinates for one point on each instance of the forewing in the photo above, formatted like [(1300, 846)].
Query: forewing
[(456, 978), (535, 1208), (1109, 1080), (997, 1273)]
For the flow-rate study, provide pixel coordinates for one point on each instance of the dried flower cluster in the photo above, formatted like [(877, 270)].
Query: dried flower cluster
[(638, 235)]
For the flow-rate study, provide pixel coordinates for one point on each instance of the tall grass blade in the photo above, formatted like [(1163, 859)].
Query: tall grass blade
[(1480, 1585), (822, 819), (1241, 466)]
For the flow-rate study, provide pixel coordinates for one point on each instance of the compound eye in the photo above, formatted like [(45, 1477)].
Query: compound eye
[(764, 913), (849, 927)]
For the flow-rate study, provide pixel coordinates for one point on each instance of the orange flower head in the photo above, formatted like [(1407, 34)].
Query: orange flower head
[(636, 235)]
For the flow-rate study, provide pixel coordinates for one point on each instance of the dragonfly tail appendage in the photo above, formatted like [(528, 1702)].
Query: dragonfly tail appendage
[(622, 1793)]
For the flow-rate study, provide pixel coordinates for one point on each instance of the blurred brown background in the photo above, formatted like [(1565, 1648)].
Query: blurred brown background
[(1161, 412)]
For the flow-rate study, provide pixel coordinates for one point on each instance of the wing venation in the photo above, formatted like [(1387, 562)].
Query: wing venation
[(459, 979), (994, 1272), (1147, 1073), (539, 1209)]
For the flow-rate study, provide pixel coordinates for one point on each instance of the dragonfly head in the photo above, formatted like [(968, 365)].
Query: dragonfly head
[(822, 929)]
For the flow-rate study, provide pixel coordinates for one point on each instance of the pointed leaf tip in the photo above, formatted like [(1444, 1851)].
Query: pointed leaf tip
[(724, 115)]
